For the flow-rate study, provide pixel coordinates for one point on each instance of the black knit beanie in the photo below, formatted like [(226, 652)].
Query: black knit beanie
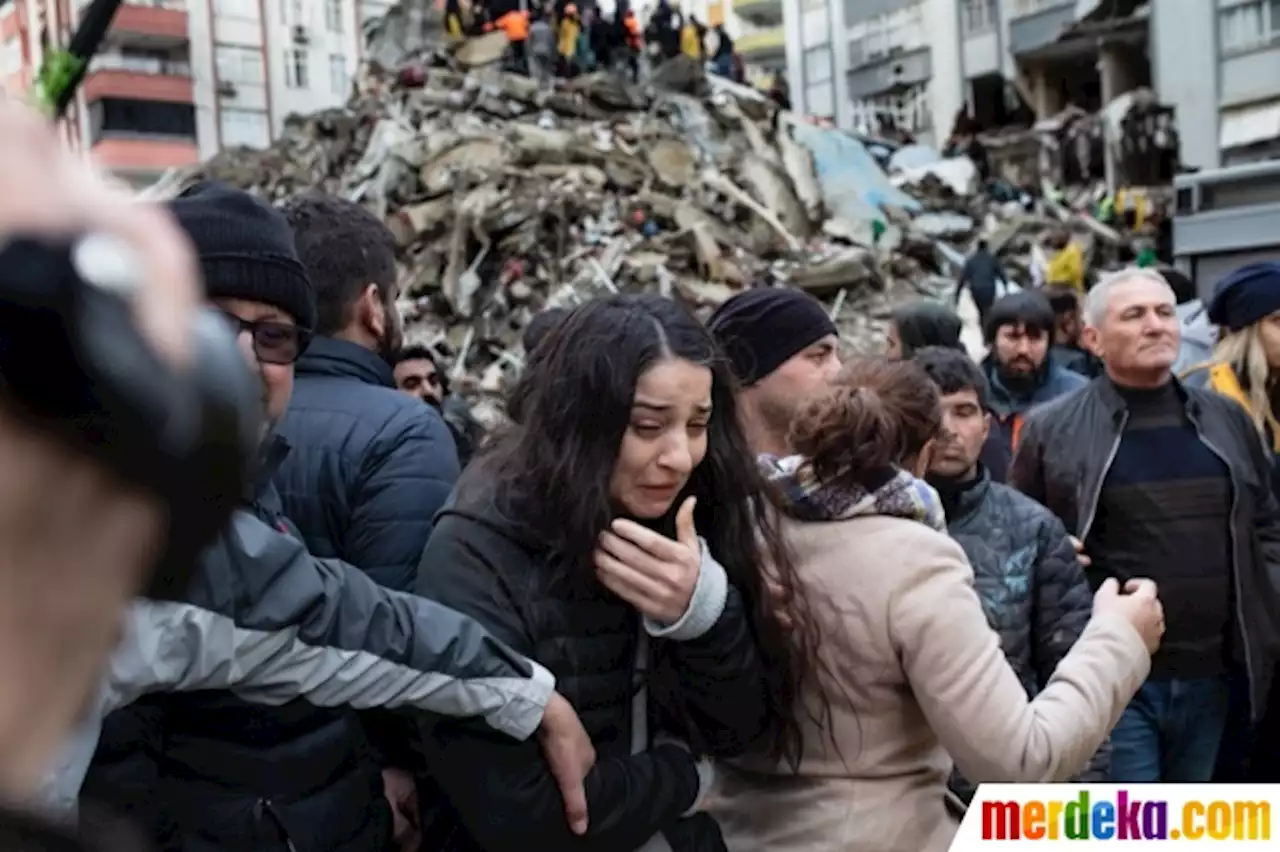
[(761, 329), (246, 249)]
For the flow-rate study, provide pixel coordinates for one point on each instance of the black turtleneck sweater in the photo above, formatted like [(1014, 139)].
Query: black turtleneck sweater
[(1164, 513)]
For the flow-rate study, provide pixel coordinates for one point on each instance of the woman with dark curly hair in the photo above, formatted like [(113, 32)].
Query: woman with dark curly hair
[(620, 534), (917, 676)]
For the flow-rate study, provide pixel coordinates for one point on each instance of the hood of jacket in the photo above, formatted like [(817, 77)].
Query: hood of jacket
[(807, 499), (1052, 382), (328, 356)]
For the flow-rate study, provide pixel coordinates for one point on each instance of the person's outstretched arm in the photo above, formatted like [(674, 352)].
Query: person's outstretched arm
[(271, 623)]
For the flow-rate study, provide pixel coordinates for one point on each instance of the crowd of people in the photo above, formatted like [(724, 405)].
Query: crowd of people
[(712, 587), (559, 38)]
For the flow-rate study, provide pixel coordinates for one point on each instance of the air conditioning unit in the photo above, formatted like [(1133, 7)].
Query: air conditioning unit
[(227, 89), (300, 35)]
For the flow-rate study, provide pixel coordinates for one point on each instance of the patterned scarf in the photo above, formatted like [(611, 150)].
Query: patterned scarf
[(903, 496)]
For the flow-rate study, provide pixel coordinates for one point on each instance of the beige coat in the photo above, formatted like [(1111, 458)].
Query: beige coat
[(921, 675)]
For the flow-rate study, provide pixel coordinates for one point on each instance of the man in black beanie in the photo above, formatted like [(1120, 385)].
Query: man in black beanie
[(783, 348), (265, 622)]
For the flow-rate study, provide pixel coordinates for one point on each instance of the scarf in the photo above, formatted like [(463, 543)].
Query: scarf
[(807, 499)]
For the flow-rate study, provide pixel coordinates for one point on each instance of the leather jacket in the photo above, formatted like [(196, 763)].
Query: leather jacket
[(1068, 446)]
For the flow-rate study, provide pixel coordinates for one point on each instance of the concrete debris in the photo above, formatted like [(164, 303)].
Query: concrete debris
[(506, 197)]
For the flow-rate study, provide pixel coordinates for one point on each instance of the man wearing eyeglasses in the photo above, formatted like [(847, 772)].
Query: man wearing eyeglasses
[(202, 768)]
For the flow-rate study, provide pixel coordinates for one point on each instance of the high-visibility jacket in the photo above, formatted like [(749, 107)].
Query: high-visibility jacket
[(1066, 268), (632, 23), (569, 29), (690, 44), (515, 24)]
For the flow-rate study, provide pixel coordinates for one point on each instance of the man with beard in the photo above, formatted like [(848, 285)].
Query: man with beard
[(1025, 568), (784, 349), (418, 375), (1021, 375), (368, 469)]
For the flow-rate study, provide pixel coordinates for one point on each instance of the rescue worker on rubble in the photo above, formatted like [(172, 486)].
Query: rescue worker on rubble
[(1065, 261), (542, 47), (723, 59), (1168, 481), (453, 18), (634, 43), (1026, 573), (1019, 371), (515, 23), (690, 44), (567, 45)]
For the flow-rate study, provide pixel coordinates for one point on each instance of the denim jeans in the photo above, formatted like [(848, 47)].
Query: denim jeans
[(1170, 732)]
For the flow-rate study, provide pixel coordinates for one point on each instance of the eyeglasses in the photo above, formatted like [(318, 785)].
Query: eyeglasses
[(273, 342)]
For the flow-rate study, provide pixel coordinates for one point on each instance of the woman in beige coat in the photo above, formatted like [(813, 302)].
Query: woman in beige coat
[(913, 674)]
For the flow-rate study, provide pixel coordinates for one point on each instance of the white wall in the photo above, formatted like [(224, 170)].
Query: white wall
[(946, 84), (1184, 70)]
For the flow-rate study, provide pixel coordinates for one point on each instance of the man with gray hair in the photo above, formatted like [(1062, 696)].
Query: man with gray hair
[(1170, 482)]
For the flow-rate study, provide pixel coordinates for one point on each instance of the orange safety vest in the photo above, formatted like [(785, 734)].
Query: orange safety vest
[(633, 30), (515, 25)]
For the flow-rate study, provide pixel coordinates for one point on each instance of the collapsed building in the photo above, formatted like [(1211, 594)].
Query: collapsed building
[(507, 198)]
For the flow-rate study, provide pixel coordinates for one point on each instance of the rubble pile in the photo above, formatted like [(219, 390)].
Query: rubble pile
[(506, 198)]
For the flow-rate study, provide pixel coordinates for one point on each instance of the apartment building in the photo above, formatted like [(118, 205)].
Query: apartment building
[(1218, 63), (874, 64), (178, 80)]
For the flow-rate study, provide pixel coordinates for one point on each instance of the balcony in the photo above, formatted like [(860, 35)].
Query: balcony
[(763, 13), (145, 154), (151, 23), (762, 45), (138, 78), (1038, 23)]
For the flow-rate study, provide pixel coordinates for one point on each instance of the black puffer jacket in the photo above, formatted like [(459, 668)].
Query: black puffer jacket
[(1031, 585), (478, 563)]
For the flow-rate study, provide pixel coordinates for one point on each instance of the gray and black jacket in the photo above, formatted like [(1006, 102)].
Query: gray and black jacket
[(265, 623), (1031, 585)]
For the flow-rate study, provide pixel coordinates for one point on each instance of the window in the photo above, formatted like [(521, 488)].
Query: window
[(338, 74), (240, 65), (296, 73), (245, 9), (857, 55), (1248, 25), (127, 117), (817, 65), (1030, 7), (291, 12), (333, 15), (242, 127), (979, 16)]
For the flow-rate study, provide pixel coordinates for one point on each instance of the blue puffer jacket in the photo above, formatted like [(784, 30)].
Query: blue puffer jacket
[(370, 466)]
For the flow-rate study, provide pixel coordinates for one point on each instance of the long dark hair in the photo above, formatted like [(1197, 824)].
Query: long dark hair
[(552, 472)]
